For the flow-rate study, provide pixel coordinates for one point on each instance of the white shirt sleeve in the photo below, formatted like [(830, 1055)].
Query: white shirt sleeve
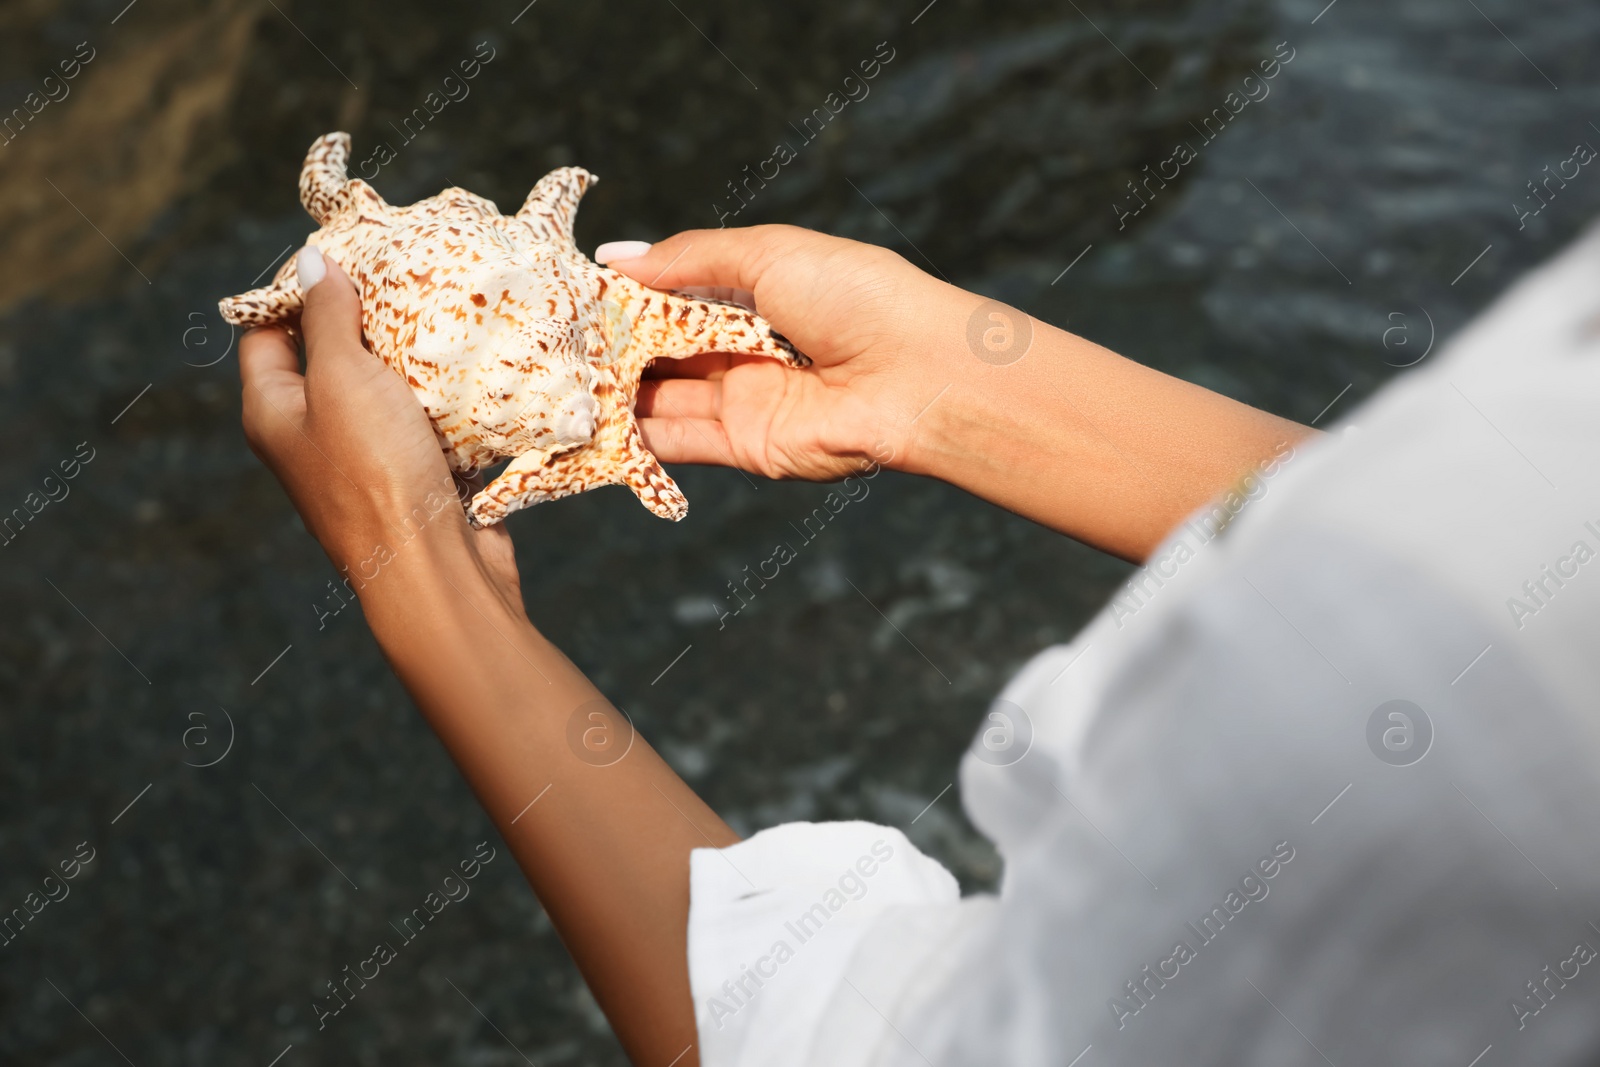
[(774, 920), (1303, 793)]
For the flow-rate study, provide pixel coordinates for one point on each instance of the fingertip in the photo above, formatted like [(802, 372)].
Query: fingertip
[(332, 305), (270, 383), (687, 440), (256, 334), (337, 272), (663, 264), (266, 348), (616, 252), (678, 398), (721, 259), (662, 437), (310, 267)]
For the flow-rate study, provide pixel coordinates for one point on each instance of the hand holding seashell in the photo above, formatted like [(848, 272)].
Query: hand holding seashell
[(352, 447), (870, 321)]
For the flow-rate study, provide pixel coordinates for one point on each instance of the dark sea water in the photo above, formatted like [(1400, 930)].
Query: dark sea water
[(164, 613)]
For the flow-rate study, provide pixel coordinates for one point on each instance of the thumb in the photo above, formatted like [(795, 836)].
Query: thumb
[(735, 258), (331, 318)]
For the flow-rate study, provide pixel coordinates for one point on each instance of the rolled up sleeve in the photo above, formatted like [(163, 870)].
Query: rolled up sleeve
[(775, 920)]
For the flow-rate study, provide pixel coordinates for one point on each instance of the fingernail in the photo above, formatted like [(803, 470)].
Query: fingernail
[(614, 250), (310, 267)]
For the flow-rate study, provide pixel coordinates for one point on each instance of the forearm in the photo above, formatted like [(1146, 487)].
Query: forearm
[(606, 846), (1084, 441)]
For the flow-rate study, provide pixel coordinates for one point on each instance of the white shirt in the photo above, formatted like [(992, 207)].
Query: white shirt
[(1223, 842)]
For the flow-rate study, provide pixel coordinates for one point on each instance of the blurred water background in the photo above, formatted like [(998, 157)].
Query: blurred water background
[(1373, 198)]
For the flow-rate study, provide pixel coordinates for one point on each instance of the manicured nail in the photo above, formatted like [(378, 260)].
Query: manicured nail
[(310, 267), (615, 250)]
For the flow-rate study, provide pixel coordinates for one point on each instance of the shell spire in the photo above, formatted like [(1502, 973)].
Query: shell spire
[(553, 204), (324, 179)]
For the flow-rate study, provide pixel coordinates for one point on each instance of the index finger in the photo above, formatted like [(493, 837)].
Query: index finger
[(265, 355), (727, 258), (269, 370), (710, 365)]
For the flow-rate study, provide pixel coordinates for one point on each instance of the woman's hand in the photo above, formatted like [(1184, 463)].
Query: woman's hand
[(351, 444), (859, 311), (908, 372)]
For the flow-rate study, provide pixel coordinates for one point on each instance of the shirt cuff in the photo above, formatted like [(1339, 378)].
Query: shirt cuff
[(774, 921)]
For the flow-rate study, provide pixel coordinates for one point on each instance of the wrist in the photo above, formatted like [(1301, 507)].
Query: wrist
[(951, 420), (416, 575), (948, 397), (949, 434), (370, 533)]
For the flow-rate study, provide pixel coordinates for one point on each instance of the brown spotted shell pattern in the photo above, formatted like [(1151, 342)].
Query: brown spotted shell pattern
[(517, 344)]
